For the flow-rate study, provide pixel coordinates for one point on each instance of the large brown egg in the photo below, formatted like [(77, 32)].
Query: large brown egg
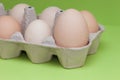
[(71, 29), (91, 21), (8, 26)]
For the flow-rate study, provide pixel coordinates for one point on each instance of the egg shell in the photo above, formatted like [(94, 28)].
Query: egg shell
[(48, 15), (18, 12), (71, 29), (37, 31), (91, 21), (8, 26)]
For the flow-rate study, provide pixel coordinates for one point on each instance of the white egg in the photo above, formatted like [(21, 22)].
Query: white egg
[(37, 31), (18, 12), (48, 15)]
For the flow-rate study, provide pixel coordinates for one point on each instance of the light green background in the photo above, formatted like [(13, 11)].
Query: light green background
[(104, 65)]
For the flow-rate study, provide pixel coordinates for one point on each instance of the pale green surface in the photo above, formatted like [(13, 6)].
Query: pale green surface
[(104, 65)]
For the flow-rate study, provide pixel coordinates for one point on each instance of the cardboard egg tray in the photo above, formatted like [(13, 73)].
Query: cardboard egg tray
[(68, 57)]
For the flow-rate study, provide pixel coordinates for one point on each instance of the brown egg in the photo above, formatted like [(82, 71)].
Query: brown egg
[(8, 26), (91, 21), (71, 29)]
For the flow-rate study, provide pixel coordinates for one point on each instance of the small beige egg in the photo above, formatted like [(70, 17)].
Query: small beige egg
[(18, 12), (37, 31), (48, 15), (71, 29), (8, 26), (91, 21)]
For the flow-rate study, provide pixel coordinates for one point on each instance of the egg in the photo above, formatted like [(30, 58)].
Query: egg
[(71, 30), (8, 26), (18, 12), (48, 15), (91, 21), (37, 31)]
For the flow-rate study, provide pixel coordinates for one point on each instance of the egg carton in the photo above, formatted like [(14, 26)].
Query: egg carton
[(68, 57)]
